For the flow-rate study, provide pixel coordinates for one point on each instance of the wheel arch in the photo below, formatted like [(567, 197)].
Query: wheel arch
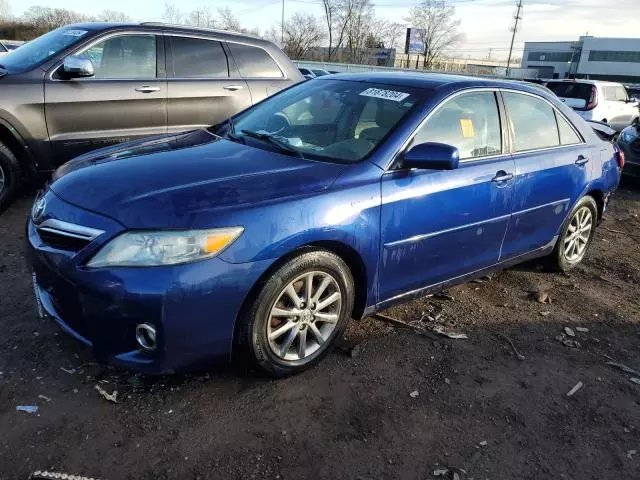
[(598, 196), (348, 254), (10, 137)]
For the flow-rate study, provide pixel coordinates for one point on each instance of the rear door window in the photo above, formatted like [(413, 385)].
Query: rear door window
[(621, 93), (469, 122), (533, 120), (254, 62), (197, 58)]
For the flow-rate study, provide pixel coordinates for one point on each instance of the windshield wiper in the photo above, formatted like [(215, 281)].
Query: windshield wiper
[(282, 145)]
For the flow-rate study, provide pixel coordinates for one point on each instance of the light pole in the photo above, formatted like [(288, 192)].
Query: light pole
[(282, 25)]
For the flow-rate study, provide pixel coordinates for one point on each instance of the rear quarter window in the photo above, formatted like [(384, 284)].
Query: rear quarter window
[(254, 62)]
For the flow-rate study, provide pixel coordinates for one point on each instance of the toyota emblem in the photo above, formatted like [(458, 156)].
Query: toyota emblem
[(38, 208)]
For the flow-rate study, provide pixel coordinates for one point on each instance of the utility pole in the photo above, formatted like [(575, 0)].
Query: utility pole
[(517, 18), (282, 26)]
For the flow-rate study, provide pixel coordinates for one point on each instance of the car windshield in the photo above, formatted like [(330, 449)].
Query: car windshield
[(581, 91), (36, 51), (331, 120)]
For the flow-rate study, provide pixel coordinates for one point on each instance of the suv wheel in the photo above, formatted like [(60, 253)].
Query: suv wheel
[(576, 235), (299, 312), (9, 177)]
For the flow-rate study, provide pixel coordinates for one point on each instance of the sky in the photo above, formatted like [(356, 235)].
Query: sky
[(485, 23)]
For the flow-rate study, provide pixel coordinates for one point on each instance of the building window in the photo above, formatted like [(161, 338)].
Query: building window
[(612, 56), (549, 56)]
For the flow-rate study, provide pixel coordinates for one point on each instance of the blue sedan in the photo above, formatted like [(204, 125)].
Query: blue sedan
[(263, 236)]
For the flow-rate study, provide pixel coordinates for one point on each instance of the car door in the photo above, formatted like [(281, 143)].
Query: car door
[(262, 73), (125, 99), (552, 164), (202, 89), (438, 225)]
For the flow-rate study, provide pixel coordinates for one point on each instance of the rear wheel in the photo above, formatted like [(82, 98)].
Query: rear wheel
[(298, 313), (9, 177), (576, 235)]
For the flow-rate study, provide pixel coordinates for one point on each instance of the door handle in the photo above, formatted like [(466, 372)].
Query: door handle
[(233, 88), (147, 89), (502, 177), (582, 160)]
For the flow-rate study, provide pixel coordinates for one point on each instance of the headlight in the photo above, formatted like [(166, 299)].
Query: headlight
[(627, 136), (146, 249)]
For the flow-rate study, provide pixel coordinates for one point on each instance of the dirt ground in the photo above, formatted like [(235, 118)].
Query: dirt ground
[(354, 417)]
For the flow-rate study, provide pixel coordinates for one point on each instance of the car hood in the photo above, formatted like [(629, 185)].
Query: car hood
[(178, 181)]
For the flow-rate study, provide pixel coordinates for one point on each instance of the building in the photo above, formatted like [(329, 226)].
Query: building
[(597, 58)]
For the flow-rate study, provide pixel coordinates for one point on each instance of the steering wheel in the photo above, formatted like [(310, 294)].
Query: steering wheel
[(277, 124)]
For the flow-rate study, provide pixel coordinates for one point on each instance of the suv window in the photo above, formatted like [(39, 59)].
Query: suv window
[(124, 56), (534, 122), (609, 93), (254, 62), (198, 58), (469, 122), (568, 135), (621, 93)]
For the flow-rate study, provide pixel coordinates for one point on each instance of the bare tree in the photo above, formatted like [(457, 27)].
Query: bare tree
[(337, 14), (112, 16), (302, 32), (358, 32), (436, 21), (201, 17), (387, 34), (50, 18), (228, 21), (5, 11), (172, 14)]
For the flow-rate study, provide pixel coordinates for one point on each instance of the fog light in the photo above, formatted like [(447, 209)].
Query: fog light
[(146, 336)]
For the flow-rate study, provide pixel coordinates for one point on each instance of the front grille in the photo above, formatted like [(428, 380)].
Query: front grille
[(66, 236), (62, 242)]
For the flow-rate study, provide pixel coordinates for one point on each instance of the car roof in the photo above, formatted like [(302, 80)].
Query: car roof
[(432, 81)]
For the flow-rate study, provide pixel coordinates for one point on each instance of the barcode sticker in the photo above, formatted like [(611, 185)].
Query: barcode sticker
[(385, 94)]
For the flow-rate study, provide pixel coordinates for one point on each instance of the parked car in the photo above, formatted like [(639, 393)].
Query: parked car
[(318, 72), (606, 102), (89, 85), (263, 235), (629, 143), (307, 73), (4, 49)]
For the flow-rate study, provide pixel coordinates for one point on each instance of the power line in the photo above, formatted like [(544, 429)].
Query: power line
[(517, 18)]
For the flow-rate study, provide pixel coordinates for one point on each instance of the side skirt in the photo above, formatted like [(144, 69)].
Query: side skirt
[(436, 287)]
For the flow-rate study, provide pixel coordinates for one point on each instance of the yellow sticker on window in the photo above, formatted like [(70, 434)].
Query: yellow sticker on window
[(466, 124)]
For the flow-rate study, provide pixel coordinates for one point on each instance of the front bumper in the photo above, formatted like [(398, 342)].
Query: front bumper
[(192, 306)]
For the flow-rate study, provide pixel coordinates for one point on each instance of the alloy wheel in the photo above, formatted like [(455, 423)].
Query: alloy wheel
[(304, 315), (577, 236)]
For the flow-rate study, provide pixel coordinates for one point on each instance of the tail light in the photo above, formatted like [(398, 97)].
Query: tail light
[(593, 99), (620, 158)]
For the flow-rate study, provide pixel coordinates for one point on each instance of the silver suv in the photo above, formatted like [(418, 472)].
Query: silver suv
[(90, 85)]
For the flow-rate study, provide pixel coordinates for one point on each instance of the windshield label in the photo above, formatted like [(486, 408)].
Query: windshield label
[(75, 33), (385, 94)]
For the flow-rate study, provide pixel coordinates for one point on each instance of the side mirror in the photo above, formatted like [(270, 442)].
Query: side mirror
[(77, 67), (432, 156)]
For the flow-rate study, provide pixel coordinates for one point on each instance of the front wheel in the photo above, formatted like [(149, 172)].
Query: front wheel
[(298, 313), (576, 235), (9, 177)]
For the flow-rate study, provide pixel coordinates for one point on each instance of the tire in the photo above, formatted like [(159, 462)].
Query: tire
[(584, 212), (277, 358), (9, 177)]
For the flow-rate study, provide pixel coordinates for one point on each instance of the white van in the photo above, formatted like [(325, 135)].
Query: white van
[(595, 100)]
